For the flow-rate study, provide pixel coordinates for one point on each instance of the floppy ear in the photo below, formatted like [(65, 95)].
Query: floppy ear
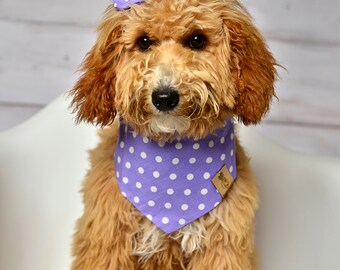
[(252, 67), (94, 93)]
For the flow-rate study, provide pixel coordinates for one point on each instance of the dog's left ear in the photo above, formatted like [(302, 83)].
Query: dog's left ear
[(252, 67), (94, 93)]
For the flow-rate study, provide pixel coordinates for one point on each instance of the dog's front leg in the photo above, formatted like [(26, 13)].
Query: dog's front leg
[(224, 256), (169, 259), (103, 236)]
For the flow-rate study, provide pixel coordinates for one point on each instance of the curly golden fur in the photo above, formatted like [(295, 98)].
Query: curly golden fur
[(233, 75)]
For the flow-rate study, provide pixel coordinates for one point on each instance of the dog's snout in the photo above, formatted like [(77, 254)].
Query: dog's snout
[(165, 99)]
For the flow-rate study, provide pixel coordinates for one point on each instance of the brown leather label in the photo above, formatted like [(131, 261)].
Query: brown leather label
[(223, 181)]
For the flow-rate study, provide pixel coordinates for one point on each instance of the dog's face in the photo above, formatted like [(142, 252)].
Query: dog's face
[(176, 69)]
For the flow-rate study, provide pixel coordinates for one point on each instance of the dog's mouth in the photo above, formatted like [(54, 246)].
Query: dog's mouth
[(168, 124)]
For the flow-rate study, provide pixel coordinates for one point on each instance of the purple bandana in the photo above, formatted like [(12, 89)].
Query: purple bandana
[(125, 4), (171, 183)]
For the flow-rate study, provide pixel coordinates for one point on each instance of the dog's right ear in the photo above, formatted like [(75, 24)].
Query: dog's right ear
[(94, 94)]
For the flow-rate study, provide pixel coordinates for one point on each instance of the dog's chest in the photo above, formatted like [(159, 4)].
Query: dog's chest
[(171, 183)]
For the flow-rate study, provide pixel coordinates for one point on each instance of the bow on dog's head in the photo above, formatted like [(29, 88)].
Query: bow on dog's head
[(176, 68), (125, 4)]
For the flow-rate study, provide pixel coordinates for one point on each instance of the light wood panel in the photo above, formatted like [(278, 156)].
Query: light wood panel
[(306, 21), (309, 90), (38, 62), (75, 12)]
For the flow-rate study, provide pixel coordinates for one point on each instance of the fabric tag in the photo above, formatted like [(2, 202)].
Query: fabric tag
[(223, 181)]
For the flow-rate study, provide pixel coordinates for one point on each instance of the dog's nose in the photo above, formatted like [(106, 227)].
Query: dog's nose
[(165, 99)]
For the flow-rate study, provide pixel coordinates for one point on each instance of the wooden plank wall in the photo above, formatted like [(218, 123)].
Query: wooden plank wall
[(304, 36), (43, 42)]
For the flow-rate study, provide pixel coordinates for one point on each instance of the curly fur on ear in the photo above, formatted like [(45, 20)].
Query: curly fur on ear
[(253, 67), (94, 93)]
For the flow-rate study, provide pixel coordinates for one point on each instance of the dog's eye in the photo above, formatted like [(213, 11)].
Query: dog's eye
[(144, 43), (197, 42)]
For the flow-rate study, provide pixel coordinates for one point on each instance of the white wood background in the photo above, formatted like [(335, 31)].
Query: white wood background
[(43, 42)]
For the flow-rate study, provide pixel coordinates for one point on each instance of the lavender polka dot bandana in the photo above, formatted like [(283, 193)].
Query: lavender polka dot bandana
[(125, 4), (171, 183)]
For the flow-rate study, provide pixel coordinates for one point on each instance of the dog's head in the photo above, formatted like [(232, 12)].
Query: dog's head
[(176, 68)]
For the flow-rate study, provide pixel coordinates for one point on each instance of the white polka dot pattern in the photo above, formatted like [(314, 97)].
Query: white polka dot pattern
[(187, 192), (170, 183), (173, 176), (181, 221)]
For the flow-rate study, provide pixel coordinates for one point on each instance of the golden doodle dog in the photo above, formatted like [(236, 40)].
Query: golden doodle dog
[(170, 186)]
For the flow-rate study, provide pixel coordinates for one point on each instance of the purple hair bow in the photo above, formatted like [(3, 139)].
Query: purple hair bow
[(125, 4)]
